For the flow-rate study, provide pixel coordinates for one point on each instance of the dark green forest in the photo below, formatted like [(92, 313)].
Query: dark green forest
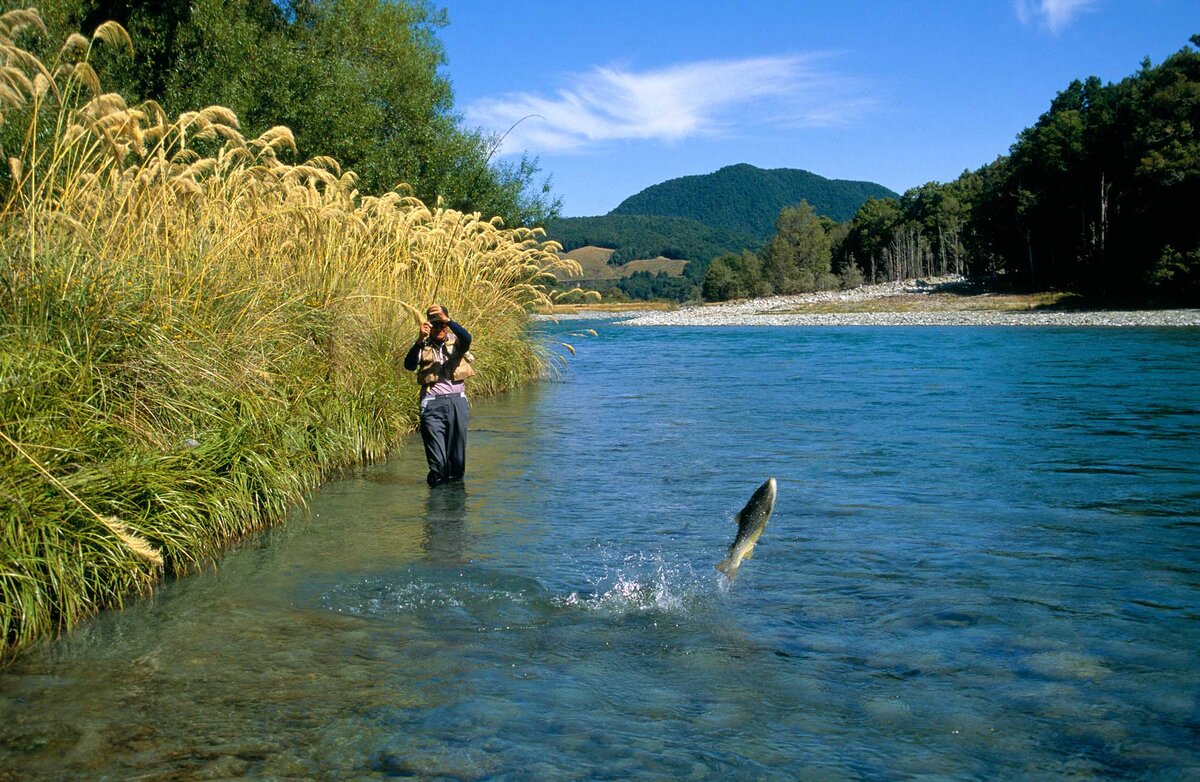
[(746, 199), (356, 80)]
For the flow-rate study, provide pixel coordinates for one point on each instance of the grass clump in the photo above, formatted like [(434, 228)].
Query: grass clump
[(193, 333)]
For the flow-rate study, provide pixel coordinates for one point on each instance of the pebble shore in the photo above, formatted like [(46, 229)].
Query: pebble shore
[(780, 311)]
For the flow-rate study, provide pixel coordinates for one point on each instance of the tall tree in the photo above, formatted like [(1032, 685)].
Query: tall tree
[(798, 257), (735, 276)]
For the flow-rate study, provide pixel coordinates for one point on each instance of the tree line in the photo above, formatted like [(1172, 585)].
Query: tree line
[(356, 80), (745, 199), (1099, 197)]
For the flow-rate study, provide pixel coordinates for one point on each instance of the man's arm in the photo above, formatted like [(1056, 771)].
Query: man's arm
[(414, 354), (462, 335)]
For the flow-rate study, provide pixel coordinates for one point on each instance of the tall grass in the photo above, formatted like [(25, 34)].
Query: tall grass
[(193, 332)]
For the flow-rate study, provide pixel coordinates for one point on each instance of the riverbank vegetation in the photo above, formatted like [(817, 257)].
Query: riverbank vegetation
[(195, 331)]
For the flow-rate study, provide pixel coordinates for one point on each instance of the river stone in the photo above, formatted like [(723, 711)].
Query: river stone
[(287, 766), (1176, 704), (224, 767), (1102, 731), (1067, 665), (888, 711)]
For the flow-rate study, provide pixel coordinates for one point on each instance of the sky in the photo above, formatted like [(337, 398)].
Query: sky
[(613, 97)]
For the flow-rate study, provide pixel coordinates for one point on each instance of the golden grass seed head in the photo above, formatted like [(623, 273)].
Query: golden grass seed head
[(16, 79), (219, 115), (19, 58), (325, 163), (106, 104), (11, 97), (276, 138), (113, 34), (138, 545), (75, 46), (18, 19), (83, 73), (185, 157)]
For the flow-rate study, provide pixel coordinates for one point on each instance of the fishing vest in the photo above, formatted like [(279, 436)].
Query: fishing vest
[(430, 364)]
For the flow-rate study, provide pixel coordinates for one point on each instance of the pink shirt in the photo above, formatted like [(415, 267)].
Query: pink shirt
[(445, 385)]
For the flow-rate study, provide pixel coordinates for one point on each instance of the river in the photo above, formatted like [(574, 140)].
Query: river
[(984, 563)]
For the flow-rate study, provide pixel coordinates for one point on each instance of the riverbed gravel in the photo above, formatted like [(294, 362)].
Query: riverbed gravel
[(782, 311)]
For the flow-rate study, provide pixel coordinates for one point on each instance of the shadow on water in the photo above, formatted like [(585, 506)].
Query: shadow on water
[(445, 521)]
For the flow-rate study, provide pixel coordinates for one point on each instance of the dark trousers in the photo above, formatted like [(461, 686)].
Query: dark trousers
[(444, 432)]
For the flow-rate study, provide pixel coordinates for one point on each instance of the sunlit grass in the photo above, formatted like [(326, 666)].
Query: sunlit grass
[(193, 332)]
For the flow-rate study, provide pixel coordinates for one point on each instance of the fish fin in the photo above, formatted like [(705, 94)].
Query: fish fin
[(749, 553), (727, 567)]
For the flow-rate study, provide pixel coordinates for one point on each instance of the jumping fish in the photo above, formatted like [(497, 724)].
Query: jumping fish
[(751, 522)]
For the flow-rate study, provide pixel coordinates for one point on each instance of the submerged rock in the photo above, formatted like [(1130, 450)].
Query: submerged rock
[(1067, 665)]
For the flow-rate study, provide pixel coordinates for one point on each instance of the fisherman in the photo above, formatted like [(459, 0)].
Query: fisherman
[(443, 365)]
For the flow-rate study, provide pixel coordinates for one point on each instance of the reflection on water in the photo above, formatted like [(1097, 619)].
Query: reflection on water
[(445, 522), (982, 564)]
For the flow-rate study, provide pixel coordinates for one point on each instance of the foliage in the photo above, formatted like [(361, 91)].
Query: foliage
[(736, 276), (797, 259), (646, 286), (645, 236), (356, 80), (193, 333), (744, 198), (798, 254), (917, 235), (1102, 188)]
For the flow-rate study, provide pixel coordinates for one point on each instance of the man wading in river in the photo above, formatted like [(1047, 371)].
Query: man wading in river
[(440, 359)]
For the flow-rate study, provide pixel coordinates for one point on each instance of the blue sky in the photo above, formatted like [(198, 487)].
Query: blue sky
[(900, 92)]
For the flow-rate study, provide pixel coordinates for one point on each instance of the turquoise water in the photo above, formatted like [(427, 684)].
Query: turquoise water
[(984, 563)]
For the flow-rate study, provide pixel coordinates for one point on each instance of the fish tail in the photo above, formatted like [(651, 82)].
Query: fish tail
[(726, 566)]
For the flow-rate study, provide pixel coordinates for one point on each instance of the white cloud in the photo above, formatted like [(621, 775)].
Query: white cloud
[(1054, 14), (704, 98)]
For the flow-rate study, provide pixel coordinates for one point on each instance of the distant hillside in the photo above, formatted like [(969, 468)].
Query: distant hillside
[(635, 237), (747, 199), (594, 265)]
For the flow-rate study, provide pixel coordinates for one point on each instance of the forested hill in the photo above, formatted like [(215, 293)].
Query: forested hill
[(644, 236), (747, 199)]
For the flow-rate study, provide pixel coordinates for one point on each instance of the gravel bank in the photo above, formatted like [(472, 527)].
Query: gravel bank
[(706, 316), (781, 311)]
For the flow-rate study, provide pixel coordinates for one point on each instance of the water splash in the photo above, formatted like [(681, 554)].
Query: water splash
[(643, 582)]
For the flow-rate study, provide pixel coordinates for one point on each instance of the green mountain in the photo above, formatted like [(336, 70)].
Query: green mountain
[(747, 199), (700, 217)]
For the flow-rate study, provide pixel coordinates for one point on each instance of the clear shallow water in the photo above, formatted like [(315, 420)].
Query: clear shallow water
[(984, 563)]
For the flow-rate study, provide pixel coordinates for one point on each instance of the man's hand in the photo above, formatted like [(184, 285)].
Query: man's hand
[(425, 328)]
